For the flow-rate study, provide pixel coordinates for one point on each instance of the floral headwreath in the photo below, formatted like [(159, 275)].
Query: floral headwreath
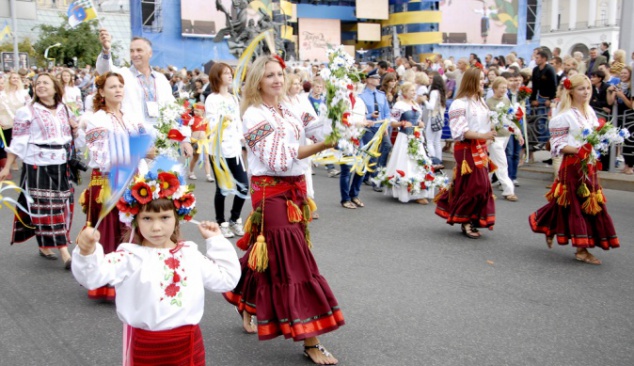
[(153, 186)]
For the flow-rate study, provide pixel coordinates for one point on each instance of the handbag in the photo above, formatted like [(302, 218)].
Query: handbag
[(437, 122)]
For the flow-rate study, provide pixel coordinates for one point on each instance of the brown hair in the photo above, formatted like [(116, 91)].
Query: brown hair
[(390, 76), (59, 91), (158, 205), (61, 77), (470, 84), (99, 102), (215, 76)]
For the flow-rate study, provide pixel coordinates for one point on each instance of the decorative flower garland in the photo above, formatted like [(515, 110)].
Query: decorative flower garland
[(339, 77), (153, 186), (597, 142)]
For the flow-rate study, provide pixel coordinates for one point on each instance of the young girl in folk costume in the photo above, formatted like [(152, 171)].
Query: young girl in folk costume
[(200, 141), (469, 200), (160, 282), (576, 209), (281, 283), (108, 118), (407, 118)]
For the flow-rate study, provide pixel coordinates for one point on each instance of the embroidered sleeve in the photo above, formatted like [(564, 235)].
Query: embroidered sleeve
[(275, 145), (21, 132), (559, 132), (458, 120), (96, 270), (396, 114), (97, 143)]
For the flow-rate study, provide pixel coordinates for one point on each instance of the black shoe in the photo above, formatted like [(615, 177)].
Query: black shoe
[(51, 256), (548, 161)]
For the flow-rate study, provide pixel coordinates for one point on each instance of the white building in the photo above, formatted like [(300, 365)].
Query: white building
[(578, 25)]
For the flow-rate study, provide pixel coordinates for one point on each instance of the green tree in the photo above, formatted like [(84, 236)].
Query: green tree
[(81, 42)]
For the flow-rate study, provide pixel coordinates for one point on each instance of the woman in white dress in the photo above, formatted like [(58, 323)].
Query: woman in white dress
[(409, 163), (72, 94), (12, 98)]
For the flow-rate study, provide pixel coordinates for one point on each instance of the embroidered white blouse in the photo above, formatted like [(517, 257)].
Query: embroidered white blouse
[(160, 289), (36, 125), (565, 129), (217, 106), (273, 140), (72, 94), (401, 107), (98, 128), (466, 114)]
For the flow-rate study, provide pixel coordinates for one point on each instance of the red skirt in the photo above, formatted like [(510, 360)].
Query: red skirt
[(182, 346), (110, 228), (290, 298), (470, 197), (570, 215)]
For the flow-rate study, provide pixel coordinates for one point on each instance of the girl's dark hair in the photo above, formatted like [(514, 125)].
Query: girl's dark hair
[(99, 102), (59, 90), (215, 75), (390, 76), (437, 83), (158, 205)]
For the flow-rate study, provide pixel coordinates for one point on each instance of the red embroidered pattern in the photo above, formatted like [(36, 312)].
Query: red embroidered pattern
[(307, 118), (258, 133)]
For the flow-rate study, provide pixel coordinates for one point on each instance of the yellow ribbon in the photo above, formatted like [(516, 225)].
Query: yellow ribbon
[(247, 55), (8, 201)]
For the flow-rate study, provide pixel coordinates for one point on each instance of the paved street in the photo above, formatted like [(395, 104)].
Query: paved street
[(413, 290)]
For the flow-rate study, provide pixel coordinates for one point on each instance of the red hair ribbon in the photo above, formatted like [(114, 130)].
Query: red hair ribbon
[(281, 61)]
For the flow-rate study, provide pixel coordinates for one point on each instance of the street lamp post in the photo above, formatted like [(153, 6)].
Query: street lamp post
[(46, 53)]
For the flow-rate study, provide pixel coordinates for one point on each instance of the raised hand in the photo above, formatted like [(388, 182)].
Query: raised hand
[(209, 229), (87, 240)]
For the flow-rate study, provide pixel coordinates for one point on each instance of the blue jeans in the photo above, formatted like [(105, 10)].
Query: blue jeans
[(384, 149), (513, 156), (349, 191), (541, 123)]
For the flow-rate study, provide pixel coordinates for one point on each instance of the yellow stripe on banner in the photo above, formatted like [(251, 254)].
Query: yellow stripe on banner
[(286, 31), (410, 39), (413, 17), (289, 9)]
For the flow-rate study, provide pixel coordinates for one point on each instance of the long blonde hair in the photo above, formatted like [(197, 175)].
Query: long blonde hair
[(290, 78), (8, 88), (252, 96), (566, 94)]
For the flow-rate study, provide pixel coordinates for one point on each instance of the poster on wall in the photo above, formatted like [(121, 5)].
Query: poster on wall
[(479, 21), (205, 18), (315, 35)]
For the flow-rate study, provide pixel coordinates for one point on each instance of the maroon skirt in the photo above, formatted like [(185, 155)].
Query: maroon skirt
[(290, 298), (182, 346), (110, 228), (575, 213), (470, 197)]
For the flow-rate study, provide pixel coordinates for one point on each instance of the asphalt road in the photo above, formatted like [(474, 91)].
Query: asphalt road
[(413, 290)]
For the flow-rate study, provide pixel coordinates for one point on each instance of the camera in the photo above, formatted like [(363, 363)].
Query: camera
[(76, 163)]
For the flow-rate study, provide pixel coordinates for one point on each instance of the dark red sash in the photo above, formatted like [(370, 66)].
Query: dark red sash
[(179, 346)]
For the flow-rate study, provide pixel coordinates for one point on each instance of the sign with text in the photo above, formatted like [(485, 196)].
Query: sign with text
[(315, 35)]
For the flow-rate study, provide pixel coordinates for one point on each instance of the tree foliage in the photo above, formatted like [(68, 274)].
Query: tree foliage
[(81, 42)]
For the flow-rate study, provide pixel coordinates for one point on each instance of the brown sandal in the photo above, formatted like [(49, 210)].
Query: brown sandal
[(469, 231), (511, 198), (587, 258), (349, 205)]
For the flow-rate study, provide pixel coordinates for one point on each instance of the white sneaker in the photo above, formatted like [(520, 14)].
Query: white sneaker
[(192, 176), (236, 227), (516, 182), (210, 178), (226, 231)]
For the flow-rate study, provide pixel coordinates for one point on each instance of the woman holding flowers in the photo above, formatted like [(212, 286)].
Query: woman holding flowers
[(281, 283), (576, 209), (107, 120), (409, 163), (469, 200)]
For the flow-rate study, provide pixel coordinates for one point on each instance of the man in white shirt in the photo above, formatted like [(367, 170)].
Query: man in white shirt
[(145, 89)]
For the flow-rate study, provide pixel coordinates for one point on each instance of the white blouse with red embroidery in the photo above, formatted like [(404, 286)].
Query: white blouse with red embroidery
[(565, 129), (36, 125), (273, 139), (467, 114), (160, 289), (98, 129)]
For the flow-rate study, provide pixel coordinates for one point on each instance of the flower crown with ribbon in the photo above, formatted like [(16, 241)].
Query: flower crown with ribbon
[(155, 185)]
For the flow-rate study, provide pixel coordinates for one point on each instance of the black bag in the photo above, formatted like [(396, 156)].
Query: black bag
[(437, 122), (75, 163)]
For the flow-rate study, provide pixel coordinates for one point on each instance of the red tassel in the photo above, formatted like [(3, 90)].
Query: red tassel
[(244, 242)]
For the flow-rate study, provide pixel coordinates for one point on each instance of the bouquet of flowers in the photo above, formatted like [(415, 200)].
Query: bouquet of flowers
[(524, 92), (506, 118), (168, 137), (597, 142), (339, 77)]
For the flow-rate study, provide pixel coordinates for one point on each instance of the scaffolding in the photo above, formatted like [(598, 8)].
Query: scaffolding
[(152, 16)]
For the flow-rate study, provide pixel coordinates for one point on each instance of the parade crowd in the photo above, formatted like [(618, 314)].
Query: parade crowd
[(261, 144)]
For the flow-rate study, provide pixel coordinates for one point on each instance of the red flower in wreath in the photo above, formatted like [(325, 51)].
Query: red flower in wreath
[(172, 263), (169, 184), (401, 173), (142, 192), (187, 200), (429, 177), (601, 124), (417, 134), (567, 84), (281, 61), (175, 135), (125, 207), (519, 114), (172, 290)]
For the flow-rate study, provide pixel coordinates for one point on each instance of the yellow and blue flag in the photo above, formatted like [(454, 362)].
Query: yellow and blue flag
[(80, 11), (6, 31)]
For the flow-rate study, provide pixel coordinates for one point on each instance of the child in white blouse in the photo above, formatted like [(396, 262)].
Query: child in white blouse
[(160, 283)]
